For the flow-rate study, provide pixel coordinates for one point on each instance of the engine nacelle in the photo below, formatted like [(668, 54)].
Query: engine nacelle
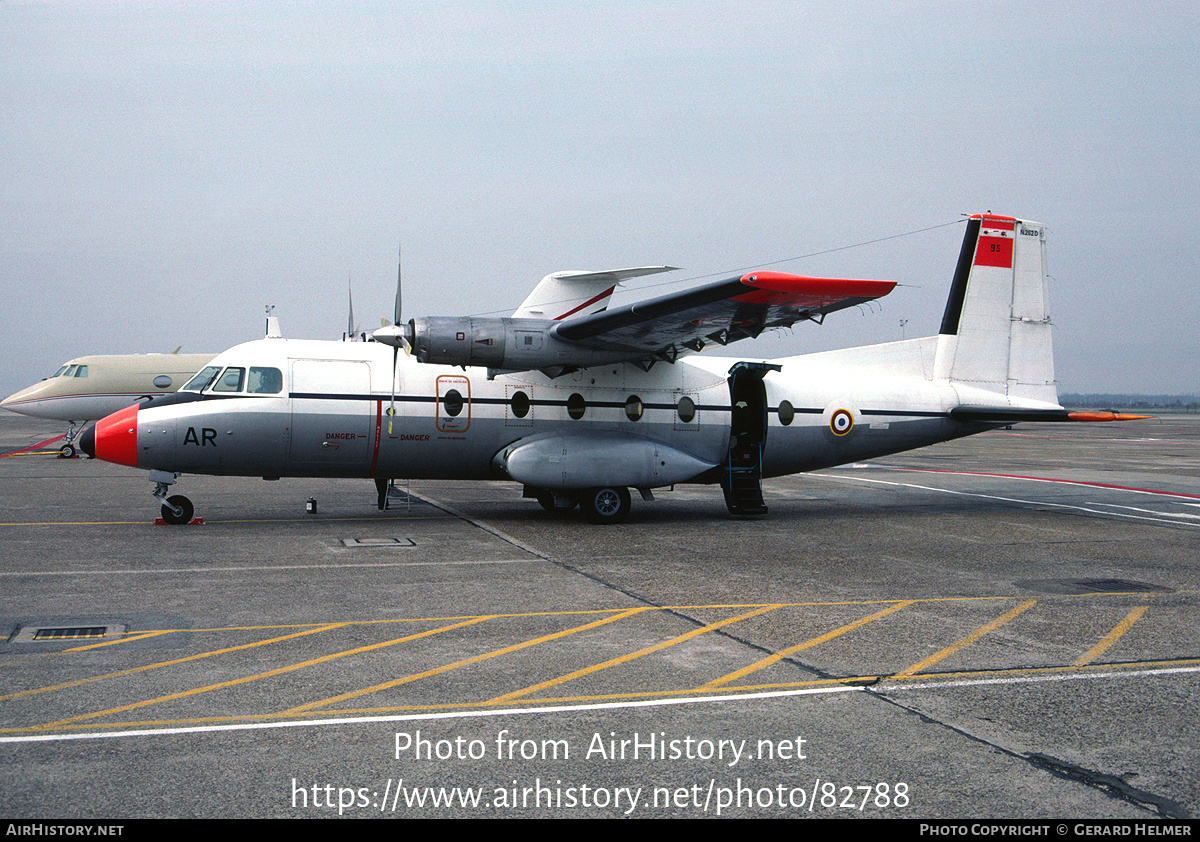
[(510, 344)]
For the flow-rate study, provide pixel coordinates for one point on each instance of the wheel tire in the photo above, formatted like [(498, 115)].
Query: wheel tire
[(67, 452), (184, 516), (609, 504), (546, 501)]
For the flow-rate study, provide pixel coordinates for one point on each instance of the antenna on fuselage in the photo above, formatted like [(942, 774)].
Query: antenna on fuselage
[(272, 330)]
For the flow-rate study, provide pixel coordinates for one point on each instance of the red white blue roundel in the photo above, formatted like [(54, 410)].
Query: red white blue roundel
[(841, 422)]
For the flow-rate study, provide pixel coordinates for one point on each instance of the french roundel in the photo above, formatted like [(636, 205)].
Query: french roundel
[(841, 422)]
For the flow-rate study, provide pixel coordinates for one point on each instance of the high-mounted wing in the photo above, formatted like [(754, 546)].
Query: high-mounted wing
[(642, 333), (721, 312)]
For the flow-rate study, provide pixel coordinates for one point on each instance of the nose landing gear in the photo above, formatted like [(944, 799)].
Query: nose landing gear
[(176, 509)]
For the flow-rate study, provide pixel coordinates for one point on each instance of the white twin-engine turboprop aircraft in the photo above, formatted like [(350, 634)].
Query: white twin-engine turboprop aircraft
[(580, 403)]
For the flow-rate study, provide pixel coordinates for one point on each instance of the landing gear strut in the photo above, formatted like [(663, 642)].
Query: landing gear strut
[(177, 509), (67, 451)]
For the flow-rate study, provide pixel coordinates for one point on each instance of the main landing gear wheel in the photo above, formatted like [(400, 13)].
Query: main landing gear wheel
[(548, 502), (605, 505), (186, 510)]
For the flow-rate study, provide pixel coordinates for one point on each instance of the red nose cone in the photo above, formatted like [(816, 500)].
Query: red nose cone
[(116, 437)]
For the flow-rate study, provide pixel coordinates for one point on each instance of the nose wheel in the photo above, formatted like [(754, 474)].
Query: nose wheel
[(178, 510)]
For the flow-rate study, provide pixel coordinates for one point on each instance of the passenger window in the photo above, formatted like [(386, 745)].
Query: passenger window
[(520, 404), (201, 381), (633, 408), (265, 381), (686, 409), (231, 380), (576, 406), (452, 401), (787, 413)]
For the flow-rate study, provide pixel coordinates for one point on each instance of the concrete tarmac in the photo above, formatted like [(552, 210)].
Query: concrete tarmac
[(999, 627)]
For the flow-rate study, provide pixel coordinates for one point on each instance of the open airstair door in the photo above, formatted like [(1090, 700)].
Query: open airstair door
[(741, 479)]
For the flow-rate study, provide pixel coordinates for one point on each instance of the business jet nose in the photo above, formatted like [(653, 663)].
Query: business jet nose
[(113, 438)]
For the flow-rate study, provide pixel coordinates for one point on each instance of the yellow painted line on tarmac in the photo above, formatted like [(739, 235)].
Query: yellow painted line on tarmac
[(516, 694), (82, 523), (465, 662), (867, 682), (1020, 675), (799, 647), (1112, 637), (160, 664), (128, 639), (210, 522), (966, 641), (248, 678)]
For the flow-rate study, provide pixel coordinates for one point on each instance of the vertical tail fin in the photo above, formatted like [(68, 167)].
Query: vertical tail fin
[(995, 333)]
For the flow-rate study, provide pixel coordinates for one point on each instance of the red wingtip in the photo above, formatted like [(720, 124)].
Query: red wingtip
[(824, 289)]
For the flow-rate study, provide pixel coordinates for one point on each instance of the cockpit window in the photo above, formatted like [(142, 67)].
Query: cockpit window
[(231, 380), (67, 371), (264, 381), (81, 371), (61, 370), (200, 382)]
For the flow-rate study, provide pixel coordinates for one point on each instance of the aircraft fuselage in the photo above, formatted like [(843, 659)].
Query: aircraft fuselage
[(332, 415)]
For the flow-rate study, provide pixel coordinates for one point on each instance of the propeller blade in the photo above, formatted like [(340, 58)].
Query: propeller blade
[(396, 316), (396, 336)]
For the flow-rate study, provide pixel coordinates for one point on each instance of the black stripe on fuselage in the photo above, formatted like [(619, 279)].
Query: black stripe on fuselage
[(903, 413)]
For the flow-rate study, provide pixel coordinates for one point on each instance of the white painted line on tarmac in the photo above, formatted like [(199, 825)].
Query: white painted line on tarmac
[(932, 684), (1164, 519), (257, 567)]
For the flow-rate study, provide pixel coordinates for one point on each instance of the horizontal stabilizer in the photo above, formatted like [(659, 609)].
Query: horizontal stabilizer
[(1013, 415)]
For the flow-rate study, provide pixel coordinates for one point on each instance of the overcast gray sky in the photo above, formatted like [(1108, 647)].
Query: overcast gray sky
[(170, 168)]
